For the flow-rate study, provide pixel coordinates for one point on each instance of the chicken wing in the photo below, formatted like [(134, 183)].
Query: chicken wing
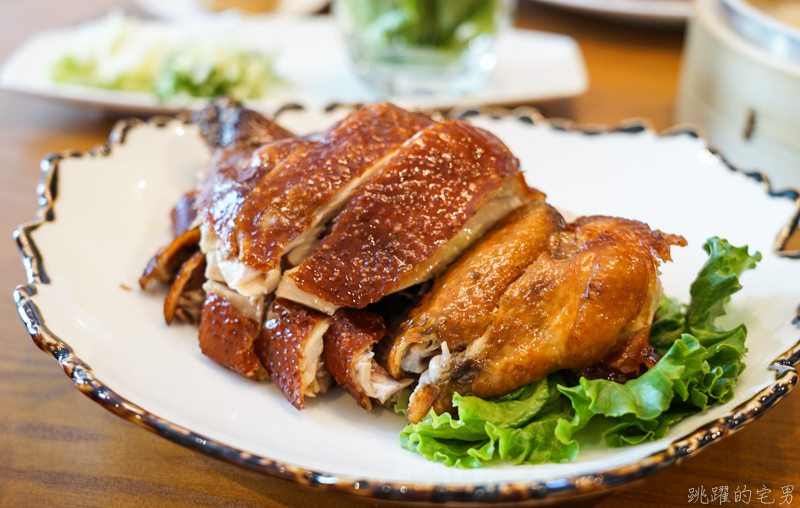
[(436, 196), (459, 307), (595, 289)]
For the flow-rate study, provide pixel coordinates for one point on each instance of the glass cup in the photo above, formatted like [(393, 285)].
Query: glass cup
[(424, 47)]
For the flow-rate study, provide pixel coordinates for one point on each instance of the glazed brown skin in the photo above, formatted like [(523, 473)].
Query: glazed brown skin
[(351, 332), (387, 229), (228, 337), (280, 346), (459, 307), (571, 308), (223, 190), (235, 134), (166, 263), (232, 132), (282, 204), (189, 282)]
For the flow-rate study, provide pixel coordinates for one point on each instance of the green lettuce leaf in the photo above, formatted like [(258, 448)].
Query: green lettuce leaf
[(669, 325), (518, 427)]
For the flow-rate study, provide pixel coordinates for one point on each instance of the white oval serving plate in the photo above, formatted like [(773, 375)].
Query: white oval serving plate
[(105, 213)]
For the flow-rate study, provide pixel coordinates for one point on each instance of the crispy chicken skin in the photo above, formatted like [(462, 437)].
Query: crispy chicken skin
[(184, 213), (438, 194), (229, 327), (227, 125), (290, 347), (595, 289), (349, 358), (459, 307)]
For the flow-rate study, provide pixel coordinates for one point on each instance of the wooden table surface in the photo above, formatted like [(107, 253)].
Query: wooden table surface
[(58, 448)]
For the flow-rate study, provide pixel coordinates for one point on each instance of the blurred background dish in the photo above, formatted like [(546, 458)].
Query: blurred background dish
[(182, 9), (786, 11), (741, 82), (310, 64), (666, 13), (424, 46)]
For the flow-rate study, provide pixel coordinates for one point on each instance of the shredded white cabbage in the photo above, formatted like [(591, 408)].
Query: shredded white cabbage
[(123, 53)]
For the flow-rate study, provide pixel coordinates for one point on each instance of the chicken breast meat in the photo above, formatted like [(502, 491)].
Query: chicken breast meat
[(592, 292), (298, 187)]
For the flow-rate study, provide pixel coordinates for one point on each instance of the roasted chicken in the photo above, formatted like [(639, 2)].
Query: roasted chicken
[(390, 217), (290, 347), (298, 187), (229, 328)]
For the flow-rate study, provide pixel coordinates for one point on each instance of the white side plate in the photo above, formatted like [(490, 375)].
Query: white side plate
[(315, 64)]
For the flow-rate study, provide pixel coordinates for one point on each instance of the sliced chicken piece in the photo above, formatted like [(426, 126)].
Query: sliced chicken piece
[(232, 132), (459, 307), (229, 328), (289, 206), (585, 298), (165, 265), (431, 200), (245, 146), (185, 299), (349, 357), (291, 346)]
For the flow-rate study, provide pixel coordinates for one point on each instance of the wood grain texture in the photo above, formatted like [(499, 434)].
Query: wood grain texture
[(59, 449)]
